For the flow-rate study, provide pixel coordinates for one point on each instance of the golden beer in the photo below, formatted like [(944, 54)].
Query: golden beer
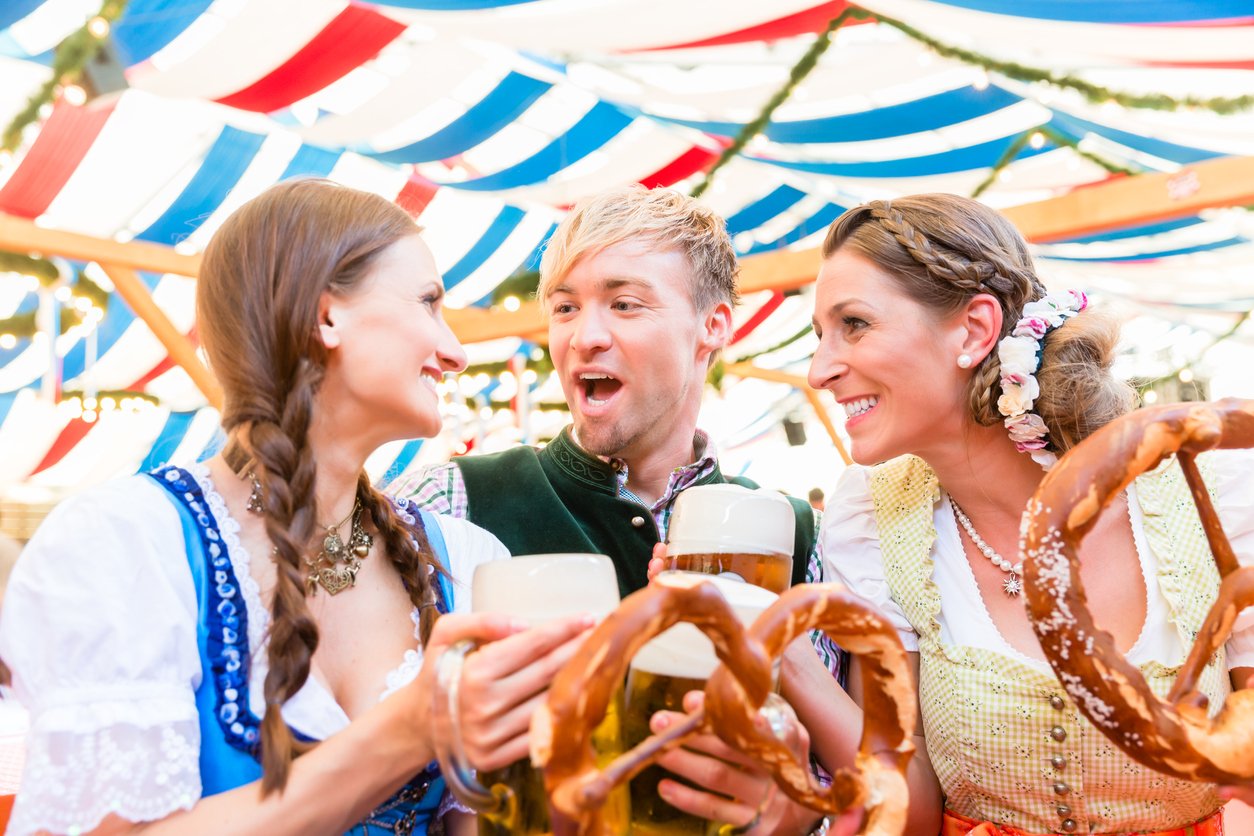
[(732, 531), (539, 589), (647, 694), (528, 809), (672, 664), (769, 571)]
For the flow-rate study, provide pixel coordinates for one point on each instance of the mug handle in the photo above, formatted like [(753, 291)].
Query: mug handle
[(450, 751), (779, 717)]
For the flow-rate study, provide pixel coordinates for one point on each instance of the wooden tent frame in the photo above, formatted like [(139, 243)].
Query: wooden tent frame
[(1145, 198)]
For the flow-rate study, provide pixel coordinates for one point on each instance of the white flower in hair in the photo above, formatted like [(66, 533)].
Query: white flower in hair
[(1014, 400), (1018, 358)]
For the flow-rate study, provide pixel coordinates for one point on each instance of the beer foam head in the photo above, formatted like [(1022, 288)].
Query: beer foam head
[(730, 519), (683, 650), (544, 587)]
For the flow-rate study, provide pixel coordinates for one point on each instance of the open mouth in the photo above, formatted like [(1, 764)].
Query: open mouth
[(599, 389), (860, 407)]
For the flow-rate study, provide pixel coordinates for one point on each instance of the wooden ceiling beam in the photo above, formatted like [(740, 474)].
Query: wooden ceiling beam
[(1145, 198), (181, 349), (25, 236)]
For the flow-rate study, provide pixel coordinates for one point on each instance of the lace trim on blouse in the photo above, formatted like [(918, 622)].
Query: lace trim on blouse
[(137, 773)]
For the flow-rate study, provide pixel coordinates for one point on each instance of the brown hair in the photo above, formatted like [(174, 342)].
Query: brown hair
[(663, 217), (943, 249), (261, 279)]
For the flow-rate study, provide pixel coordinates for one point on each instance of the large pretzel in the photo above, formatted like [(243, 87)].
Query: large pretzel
[(1175, 736), (561, 730)]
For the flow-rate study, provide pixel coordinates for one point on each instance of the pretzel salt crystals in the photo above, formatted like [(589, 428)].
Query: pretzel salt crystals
[(561, 729), (1175, 736)]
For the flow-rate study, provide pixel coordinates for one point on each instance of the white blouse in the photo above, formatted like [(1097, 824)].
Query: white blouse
[(99, 629), (851, 556)]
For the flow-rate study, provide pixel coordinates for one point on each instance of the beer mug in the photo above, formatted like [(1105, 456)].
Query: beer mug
[(735, 532), (537, 589), (676, 662)]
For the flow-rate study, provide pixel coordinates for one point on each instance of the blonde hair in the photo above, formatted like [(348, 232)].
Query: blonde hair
[(942, 250), (662, 217)]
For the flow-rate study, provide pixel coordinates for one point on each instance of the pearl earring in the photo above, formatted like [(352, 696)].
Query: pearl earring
[(964, 361)]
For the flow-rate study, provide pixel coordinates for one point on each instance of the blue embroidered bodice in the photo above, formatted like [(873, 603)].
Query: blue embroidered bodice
[(229, 730)]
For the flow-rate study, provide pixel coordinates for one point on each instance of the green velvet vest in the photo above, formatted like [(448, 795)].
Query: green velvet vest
[(563, 499)]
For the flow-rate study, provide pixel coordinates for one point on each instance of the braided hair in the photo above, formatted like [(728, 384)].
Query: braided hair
[(257, 297), (942, 250)]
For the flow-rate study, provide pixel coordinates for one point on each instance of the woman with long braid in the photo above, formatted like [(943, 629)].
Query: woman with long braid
[(182, 636), (962, 378)]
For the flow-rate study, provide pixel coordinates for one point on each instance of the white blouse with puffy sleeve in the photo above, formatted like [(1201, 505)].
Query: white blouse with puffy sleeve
[(99, 630), (851, 555)]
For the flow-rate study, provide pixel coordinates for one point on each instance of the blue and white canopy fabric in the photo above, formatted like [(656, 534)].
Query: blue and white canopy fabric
[(486, 119)]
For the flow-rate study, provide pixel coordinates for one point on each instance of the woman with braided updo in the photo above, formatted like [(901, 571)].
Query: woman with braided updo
[(180, 637), (962, 377)]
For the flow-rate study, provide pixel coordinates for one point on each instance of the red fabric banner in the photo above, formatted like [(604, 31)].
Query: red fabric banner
[(685, 165), (801, 23), (354, 37), (772, 304), (62, 142), (416, 195)]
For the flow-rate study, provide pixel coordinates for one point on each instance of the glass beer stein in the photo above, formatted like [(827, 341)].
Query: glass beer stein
[(676, 662), (733, 532), (537, 589)]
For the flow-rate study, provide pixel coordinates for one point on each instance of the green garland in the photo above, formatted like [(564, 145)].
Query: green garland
[(1093, 92), (772, 349), (522, 285), (29, 265), (24, 325), (85, 288), (71, 56), (541, 367), (795, 76), (1061, 140), (116, 394), (1011, 69), (1143, 386)]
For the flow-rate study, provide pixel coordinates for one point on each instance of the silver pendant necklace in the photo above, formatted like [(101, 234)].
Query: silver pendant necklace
[(1013, 584)]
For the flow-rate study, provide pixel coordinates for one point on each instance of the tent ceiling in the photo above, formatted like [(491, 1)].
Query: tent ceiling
[(487, 118)]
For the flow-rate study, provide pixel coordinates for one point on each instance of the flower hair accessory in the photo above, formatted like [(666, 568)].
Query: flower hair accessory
[(1020, 356)]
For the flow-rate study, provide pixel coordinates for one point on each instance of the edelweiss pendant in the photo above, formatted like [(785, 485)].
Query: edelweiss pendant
[(1012, 585)]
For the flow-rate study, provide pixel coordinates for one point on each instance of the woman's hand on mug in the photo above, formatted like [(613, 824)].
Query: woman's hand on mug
[(657, 563), (448, 631), (503, 683)]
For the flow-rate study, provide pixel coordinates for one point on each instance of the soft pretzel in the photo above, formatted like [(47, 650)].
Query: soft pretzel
[(561, 729), (1175, 736)]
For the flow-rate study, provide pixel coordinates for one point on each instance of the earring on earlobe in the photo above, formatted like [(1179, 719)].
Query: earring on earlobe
[(964, 361)]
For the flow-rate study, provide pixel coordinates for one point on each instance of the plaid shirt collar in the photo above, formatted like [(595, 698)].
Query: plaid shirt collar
[(681, 477)]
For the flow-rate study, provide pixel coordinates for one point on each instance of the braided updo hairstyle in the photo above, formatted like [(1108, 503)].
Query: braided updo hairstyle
[(257, 297), (942, 250)]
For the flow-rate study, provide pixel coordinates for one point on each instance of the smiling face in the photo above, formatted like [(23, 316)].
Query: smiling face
[(388, 345), (630, 350), (888, 360)]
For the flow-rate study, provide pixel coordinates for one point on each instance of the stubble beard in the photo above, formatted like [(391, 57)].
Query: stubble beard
[(608, 441), (626, 433)]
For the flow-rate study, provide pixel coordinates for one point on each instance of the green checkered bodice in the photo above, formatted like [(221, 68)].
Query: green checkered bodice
[(1005, 741)]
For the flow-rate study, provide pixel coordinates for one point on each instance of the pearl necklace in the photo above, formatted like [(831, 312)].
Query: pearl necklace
[(1012, 584)]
